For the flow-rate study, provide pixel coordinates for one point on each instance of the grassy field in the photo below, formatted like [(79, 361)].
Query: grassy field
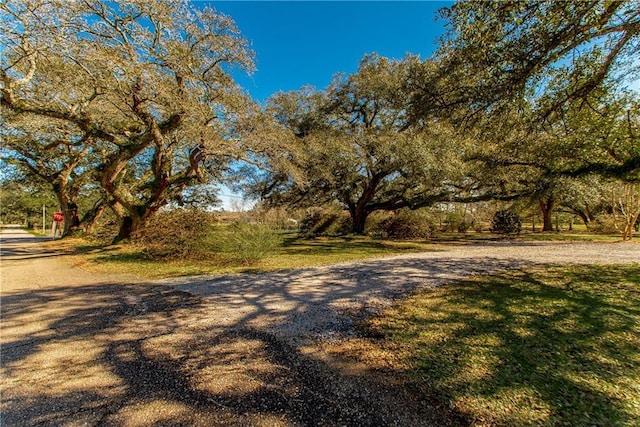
[(554, 347), (292, 253)]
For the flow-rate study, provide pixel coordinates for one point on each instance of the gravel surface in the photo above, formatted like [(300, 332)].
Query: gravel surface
[(245, 350), (323, 302)]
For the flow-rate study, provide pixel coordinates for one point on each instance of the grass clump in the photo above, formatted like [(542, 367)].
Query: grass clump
[(245, 244), (556, 347)]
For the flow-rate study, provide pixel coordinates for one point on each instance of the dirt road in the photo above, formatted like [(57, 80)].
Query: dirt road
[(81, 349)]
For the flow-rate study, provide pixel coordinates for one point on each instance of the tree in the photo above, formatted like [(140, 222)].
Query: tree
[(625, 201), (588, 197), (22, 200), (355, 147), (547, 56), (499, 51), (147, 84), (558, 157), (54, 152)]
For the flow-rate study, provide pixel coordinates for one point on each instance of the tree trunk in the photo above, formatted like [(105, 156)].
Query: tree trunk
[(546, 206), (71, 219), (125, 230), (67, 205), (90, 218), (133, 220), (584, 217), (358, 220)]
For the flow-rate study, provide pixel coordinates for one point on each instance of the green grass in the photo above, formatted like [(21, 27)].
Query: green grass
[(292, 253), (544, 348)]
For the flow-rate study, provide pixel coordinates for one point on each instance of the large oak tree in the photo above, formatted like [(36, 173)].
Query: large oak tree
[(147, 84), (356, 147)]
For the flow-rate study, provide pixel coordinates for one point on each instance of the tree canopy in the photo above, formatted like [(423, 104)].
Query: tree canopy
[(147, 87), (132, 106)]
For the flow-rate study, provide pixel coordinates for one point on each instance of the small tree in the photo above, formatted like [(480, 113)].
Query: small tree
[(506, 222), (626, 208)]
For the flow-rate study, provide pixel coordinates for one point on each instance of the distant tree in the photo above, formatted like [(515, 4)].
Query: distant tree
[(22, 201), (567, 160), (587, 197), (356, 149), (625, 201), (57, 153), (146, 84)]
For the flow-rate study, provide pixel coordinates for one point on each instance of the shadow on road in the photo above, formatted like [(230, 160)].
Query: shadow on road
[(109, 354)]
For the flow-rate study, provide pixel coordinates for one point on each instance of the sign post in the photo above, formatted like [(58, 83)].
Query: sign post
[(56, 226)]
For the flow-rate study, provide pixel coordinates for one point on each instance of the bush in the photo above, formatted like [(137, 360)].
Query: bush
[(317, 222), (176, 234), (506, 222), (604, 224), (406, 224), (246, 243)]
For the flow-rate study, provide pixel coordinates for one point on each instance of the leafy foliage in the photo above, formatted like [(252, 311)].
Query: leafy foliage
[(358, 150), (496, 52), (145, 87), (506, 222), (176, 234)]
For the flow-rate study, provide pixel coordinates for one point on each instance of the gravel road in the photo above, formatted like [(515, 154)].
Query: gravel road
[(323, 302), (81, 349)]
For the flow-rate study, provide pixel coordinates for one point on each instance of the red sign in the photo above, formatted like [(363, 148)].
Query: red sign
[(58, 217)]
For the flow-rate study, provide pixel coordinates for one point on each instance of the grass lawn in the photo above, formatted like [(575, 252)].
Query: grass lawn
[(292, 253), (545, 347)]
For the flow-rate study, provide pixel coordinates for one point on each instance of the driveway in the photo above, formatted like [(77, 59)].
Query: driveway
[(81, 349)]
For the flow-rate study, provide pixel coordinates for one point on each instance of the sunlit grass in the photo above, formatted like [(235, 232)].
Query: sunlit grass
[(292, 253), (555, 347)]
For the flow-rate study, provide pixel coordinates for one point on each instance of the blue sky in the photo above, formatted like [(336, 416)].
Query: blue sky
[(300, 43), (307, 42)]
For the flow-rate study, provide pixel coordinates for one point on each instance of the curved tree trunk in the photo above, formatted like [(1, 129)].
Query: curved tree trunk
[(546, 206), (68, 207), (132, 219), (90, 218)]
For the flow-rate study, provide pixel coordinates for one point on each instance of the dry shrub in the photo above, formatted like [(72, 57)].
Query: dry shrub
[(245, 244), (178, 233), (604, 224), (406, 224), (318, 222)]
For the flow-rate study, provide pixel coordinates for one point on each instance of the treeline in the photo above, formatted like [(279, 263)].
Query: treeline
[(132, 107)]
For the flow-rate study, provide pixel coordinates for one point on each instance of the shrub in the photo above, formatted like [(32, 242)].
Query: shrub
[(506, 222), (406, 224), (246, 243), (317, 222), (176, 234), (604, 224), (464, 226)]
